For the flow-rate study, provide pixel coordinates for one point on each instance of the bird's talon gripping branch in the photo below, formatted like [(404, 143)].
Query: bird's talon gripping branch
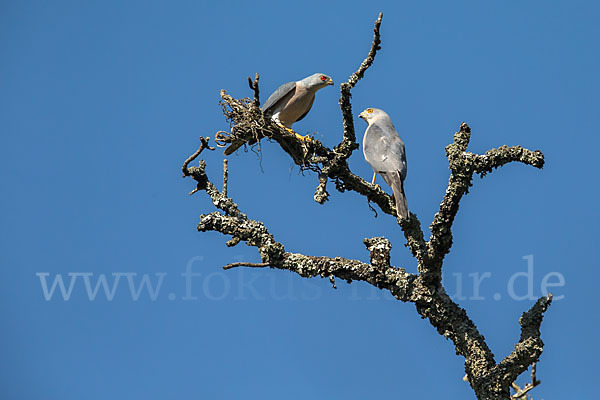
[(377, 187), (293, 132), (303, 138)]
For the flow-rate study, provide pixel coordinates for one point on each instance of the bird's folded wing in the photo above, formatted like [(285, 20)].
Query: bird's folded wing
[(285, 91)]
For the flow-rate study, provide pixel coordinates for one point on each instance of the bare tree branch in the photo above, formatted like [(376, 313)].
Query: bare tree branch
[(348, 145), (236, 224), (245, 264), (530, 346), (432, 302), (462, 166), (203, 145), (225, 177), (489, 380), (355, 77)]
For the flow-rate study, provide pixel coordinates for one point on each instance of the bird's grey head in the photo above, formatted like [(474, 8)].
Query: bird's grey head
[(317, 81), (372, 114)]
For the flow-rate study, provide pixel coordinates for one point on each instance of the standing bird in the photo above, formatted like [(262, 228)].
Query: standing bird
[(290, 103), (384, 151), (293, 100)]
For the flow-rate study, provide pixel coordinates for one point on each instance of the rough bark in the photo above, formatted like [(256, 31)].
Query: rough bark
[(488, 378)]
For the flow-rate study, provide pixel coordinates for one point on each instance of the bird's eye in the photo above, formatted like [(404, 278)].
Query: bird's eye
[(369, 110), (323, 78)]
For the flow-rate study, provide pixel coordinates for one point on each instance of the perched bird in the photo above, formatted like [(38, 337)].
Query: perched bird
[(384, 151), (290, 103), (293, 100)]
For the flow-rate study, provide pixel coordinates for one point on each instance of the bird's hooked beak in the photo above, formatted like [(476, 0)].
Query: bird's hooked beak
[(363, 116), (330, 82)]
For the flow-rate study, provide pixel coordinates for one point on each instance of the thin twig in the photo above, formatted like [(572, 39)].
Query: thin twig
[(332, 281), (375, 45), (246, 264), (348, 144), (203, 145), (254, 87), (520, 393), (225, 177), (534, 380)]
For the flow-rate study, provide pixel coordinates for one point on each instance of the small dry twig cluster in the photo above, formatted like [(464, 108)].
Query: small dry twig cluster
[(522, 393)]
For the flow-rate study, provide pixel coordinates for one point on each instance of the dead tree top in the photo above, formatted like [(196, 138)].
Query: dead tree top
[(488, 378)]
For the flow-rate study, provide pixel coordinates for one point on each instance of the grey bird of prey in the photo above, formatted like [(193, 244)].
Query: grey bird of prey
[(291, 102), (384, 151)]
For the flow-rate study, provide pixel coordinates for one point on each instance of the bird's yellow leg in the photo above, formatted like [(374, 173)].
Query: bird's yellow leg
[(304, 138), (299, 136), (373, 181)]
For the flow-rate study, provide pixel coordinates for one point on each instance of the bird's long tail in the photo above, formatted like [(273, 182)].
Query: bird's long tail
[(395, 181), (233, 147)]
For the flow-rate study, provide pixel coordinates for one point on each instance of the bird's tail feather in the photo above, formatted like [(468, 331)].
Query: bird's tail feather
[(393, 179), (233, 147)]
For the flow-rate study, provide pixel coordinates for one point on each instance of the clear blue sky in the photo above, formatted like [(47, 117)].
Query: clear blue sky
[(100, 103)]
